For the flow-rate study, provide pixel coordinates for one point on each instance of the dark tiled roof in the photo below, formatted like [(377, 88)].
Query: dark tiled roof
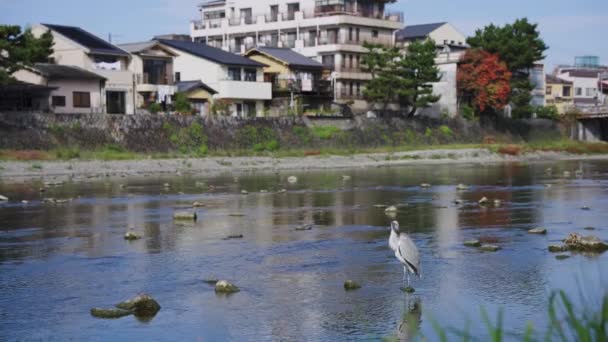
[(186, 86), (290, 57), (210, 53), (556, 80), (55, 71), (90, 41), (417, 31)]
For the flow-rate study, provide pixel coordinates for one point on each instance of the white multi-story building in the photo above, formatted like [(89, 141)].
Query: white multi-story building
[(329, 31)]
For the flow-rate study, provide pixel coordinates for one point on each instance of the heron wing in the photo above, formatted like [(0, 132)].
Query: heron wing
[(409, 252)]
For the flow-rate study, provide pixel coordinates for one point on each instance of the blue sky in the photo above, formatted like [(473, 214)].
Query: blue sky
[(569, 27)]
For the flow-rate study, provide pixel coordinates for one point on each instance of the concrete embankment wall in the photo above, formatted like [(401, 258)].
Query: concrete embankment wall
[(153, 133)]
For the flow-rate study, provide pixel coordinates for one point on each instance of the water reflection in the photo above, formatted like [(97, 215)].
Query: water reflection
[(70, 257)]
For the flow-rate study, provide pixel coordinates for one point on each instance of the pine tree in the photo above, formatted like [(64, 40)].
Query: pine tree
[(21, 49)]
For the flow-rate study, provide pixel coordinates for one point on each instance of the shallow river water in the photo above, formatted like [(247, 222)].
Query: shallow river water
[(57, 261)]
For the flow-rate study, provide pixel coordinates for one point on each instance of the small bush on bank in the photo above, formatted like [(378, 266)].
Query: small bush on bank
[(547, 112), (68, 153), (325, 132), (446, 131), (155, 108)]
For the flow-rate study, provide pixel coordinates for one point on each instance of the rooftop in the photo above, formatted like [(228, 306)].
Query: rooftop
[(582, 73), (210, 53), (550, 79), (289, 57), (418, 31), (66, 72), (90, 41), (186, 86)]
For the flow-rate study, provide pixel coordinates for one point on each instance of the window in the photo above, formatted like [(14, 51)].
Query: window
[(445, 42), (374, 33), (350, 34), (578, 91), (250, 75), (58, 101), (343, 61), (358, 89), (350, 61), (549, 90), (567, 91), (358, 60), (590, 92), (178, 77), (234, 74), (328, 61), (357, 34), (82, 99)]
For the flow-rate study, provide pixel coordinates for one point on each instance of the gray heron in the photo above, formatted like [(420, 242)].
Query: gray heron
[(405, 251)]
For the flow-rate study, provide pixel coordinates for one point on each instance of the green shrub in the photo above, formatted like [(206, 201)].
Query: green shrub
[(68, 153), (154, 108), (446, 131), (547, 112), (272, 145), (182, 104), (202, 150), (325, 132), (303, 134), (467, 112), (428, 132)]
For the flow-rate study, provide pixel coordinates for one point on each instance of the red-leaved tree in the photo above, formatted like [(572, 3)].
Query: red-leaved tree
[(483, 81)]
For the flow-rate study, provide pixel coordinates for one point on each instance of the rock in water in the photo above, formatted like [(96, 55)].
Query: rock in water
[(131, 236), (244, 192), (539, 231), (425, 185), (350, 285), (142, 305), (408, 289), (557, 249), (562, 257), (462, 187), (346, 178), (497, 203), (3, 198), (576, 242), (472, 243), (483, 201), (223, 286), (304, 227), (292, 179), (185, 215), (211, 281), (234, 237), (490, 248), (391, 209), (109, 313), (585, 208), (197, 204)]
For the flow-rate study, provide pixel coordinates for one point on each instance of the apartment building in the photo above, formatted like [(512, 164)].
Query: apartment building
[(329, 31), (77, 47), (559, 93)]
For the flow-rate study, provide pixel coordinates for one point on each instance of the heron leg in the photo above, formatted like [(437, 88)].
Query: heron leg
[(408, 280), (404, 274)]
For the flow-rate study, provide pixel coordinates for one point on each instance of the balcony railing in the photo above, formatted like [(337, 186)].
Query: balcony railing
[(146, 78), (321, 87), (346, 94)]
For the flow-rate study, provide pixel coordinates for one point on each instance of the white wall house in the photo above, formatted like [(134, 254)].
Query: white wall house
[(152, 67), (235, 78), (74, 90), (331, 32), (585, 84), (77, 47), (451, 45)]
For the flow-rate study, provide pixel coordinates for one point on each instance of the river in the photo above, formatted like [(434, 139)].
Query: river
[(57, 261)]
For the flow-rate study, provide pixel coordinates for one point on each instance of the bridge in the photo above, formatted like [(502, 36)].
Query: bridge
[(592, 124)]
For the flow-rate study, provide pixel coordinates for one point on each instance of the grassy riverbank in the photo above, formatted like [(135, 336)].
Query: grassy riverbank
[(111, 152)]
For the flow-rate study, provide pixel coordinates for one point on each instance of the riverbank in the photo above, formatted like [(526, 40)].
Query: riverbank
[(51, 170)]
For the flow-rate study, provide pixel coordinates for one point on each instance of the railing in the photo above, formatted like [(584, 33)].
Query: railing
[(336, 40), (145, 78), (346, 94), (321, 87)]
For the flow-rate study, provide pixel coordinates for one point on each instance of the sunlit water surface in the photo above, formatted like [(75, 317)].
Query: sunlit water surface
[(59, 261)]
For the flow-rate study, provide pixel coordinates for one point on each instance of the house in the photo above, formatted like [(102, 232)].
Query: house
[(152, 67), (73, 89), (199, 94), (451, 45), (235, 78), (298, 83), (586, 84), (445, 35), (559, 93), (79, 48), (331, 32), (24, 96)]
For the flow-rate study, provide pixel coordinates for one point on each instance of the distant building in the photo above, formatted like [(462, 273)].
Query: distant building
[(173, 36), (199, 94), (559, 93), (297, 81), (444, 34), (74, 89), (537, 78), (235, 78), (332, 32), (586, 85), (79, 48)]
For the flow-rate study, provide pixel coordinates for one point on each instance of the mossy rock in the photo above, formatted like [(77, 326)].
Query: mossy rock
[(225, 287), (576, 242), (558, 248), (562, 257), (109, 313), (131, 236), (350, 285), (408, 289), (185, 216), (198, 204), (462, 187), (142, 305), (472, 243), (211, 281), (490, 248)]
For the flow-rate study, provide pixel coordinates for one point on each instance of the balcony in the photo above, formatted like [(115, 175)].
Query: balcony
[(245, 90), (318, 87), (346, 94)]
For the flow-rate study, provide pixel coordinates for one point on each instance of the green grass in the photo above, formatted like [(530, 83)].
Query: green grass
[(325, 132)]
